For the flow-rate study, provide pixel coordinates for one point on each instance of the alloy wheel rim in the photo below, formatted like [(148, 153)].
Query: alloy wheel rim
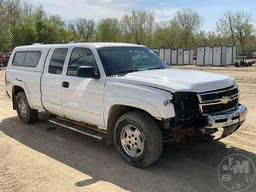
[(22, 108), (132, 140)]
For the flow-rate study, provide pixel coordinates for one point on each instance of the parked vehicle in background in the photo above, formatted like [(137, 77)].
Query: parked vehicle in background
[(4, 58), (124, 94), (246, 59), (254, 55)]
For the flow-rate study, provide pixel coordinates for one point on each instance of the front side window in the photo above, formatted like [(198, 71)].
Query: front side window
[(80, 57), (123, 60), (57, 61)]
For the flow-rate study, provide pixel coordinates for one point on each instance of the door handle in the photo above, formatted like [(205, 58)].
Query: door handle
[(65, 84)]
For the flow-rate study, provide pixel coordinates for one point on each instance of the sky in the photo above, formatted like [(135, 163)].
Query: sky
[(164, 10)]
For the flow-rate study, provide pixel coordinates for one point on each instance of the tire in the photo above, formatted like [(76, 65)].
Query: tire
[(24, 111), (149, 140)]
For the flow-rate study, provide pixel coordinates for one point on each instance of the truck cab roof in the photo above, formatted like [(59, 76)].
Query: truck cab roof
[(92, 44)]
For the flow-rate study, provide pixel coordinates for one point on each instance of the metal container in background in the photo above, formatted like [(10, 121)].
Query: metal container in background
[(217, 56), (234, 54), (188, 57), (200, 56), (211, 56), (208, 57), (223, 55), (174, 57), (230, 55), (180, 56), (167, 56), (191, 56), (161, 53)]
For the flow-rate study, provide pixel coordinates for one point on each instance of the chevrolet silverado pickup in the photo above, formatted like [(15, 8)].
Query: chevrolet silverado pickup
[(123, 94)]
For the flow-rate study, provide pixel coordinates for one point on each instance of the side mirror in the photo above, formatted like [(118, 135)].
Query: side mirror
[(88, 72)]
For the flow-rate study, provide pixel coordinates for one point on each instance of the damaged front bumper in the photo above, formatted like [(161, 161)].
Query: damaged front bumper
[(222, 124)]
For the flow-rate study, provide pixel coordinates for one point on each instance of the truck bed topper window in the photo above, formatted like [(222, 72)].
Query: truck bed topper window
[(26, 58)]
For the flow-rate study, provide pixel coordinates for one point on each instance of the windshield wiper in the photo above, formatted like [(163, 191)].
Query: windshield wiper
[(126, 71), (76, 59), (79, 57), (153, 68)]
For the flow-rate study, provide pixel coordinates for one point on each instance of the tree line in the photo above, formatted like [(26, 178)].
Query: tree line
[(23, 24)]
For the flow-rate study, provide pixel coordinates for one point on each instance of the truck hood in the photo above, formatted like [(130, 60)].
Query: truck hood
[(176, 80)]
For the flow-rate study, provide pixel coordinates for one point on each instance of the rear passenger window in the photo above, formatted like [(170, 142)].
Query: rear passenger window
[(80, 57), (26, 58), (57, 61)]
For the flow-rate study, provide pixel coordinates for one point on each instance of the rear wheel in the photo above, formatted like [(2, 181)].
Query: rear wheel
[(25, 112), (138, 139)]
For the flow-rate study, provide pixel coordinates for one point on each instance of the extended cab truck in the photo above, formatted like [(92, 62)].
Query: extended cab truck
[(124, 94)]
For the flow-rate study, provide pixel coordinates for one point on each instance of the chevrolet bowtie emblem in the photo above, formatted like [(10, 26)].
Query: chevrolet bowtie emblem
[(225, 99)]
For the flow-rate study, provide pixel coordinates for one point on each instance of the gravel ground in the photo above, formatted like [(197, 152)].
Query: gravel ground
[(42, 157)]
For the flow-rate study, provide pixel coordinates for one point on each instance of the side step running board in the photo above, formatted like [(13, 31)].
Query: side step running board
[(83, 130)]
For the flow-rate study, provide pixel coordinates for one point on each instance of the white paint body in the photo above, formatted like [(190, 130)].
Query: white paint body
[(90, 100)]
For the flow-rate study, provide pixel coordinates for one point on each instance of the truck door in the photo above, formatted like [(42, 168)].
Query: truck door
[(83, 95), (52, 80)]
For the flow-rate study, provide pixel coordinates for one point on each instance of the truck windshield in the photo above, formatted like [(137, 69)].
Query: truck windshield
[(123, 60)]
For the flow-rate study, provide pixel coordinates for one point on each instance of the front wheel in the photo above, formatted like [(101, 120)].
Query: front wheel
[(138, 139), (25, 112)]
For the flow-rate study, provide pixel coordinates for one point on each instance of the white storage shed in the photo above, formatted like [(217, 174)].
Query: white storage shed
[(180, 56), (230, 55), (167, 56), (208, 57), (200, 55), (188, 57), (217, 56), (161, 53), (174, 57)]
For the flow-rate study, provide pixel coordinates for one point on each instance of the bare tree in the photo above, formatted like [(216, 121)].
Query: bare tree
[(108, 30), (138, 26), (167, 34), (243, 28), (189, 21), (14, 12), (237, 25), (83, 29), (226, 26), (3, 12)]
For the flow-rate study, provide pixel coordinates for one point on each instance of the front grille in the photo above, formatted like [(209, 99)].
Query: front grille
[(207, 97), (219, 100), (208, 109)]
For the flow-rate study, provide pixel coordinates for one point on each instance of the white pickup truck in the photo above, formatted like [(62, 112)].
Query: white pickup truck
[(123, 94)]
